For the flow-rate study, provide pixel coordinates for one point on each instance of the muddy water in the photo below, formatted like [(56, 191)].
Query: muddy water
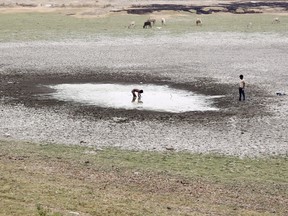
[(155, 97)]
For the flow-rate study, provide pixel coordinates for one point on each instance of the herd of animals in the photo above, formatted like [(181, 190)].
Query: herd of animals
[(151, 22)]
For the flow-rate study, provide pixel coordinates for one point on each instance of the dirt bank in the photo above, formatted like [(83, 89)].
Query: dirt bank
[(146, 7)]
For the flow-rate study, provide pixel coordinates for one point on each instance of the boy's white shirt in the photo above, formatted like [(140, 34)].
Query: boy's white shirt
[(242, 83)]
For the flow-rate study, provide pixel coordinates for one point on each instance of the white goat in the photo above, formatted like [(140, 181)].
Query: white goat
[(163, 21), (198, 22), (276, 20), (131, 25)]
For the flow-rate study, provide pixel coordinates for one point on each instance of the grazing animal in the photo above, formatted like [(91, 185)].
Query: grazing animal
[(280, 93), (198, 22), (131, 25), (163, 21), (276, 20), (147, 24), (153, 21)]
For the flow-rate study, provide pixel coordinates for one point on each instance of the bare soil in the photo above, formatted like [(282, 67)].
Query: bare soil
[(251, 128), (150, 6)]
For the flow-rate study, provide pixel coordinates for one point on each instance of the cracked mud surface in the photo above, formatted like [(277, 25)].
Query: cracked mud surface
[(252, 128)]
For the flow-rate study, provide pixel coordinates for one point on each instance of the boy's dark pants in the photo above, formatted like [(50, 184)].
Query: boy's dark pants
[(241, 93)]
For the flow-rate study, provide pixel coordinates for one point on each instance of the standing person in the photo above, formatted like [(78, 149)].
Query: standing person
[(241, 88), (139, 92)]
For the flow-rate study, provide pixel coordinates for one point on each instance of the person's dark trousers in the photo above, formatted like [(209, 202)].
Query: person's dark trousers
[(241, 93)]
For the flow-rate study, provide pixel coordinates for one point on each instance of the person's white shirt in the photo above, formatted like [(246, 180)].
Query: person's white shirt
[(242, 84)]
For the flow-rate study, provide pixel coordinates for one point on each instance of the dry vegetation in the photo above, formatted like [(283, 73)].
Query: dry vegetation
[(62, 180)]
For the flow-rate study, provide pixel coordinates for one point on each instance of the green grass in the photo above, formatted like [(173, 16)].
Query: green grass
[(217, 167), (57, 26), (46, 179)]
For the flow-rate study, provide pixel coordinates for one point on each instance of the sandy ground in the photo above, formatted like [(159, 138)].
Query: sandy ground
[(255, 127)]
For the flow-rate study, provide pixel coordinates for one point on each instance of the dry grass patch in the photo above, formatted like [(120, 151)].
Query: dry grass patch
[(62, 180)]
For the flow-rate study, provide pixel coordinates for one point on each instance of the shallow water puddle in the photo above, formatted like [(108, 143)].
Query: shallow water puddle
[(155, 97)]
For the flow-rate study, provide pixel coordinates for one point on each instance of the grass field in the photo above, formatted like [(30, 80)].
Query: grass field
[(46, 179), (58, 26)]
